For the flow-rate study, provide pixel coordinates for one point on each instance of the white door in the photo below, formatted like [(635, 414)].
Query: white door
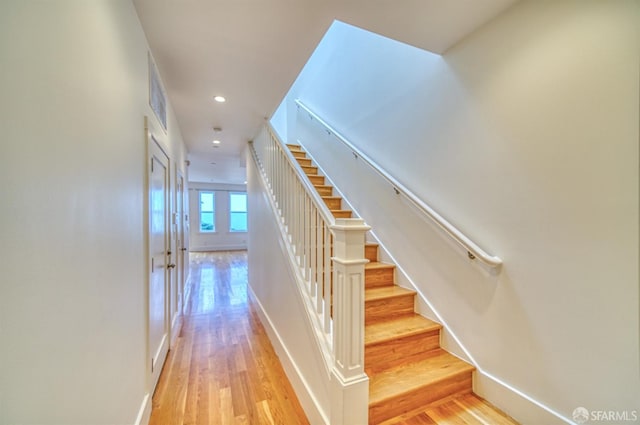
[(158, 256)]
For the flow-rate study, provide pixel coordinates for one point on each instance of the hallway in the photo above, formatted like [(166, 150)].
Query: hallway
[(223, 369)]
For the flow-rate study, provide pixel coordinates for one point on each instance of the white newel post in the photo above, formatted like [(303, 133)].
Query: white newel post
[(349, 383)]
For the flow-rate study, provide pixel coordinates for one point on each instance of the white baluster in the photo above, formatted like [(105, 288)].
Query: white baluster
[(328, 277), (321, 305), (313, 247), (307, 237), (319, 263)]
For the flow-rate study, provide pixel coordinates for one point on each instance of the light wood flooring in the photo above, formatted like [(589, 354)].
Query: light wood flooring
[(223, 369)]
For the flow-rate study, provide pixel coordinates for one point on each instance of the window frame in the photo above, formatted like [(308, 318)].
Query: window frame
[(213, 211), (245, 212)]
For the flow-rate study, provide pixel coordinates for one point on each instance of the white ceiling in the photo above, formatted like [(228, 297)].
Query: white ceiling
[(251, 51)]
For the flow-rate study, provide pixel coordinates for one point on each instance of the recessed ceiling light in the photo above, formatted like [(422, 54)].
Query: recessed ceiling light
[(220, 99), (216, 142)]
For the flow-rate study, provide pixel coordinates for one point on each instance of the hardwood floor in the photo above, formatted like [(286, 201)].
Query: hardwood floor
[(223, 369), (466, 410)]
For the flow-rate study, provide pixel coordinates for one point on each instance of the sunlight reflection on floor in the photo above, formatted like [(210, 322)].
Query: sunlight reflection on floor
[(222, 281)]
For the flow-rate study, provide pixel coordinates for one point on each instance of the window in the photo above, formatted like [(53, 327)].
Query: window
[(237, 211), (207, 212)]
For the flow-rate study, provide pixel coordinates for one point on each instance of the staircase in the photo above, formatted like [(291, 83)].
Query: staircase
[(412, 379)]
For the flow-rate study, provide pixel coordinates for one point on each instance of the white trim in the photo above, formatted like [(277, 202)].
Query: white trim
[(303, 390), (187, 289), (176, 327), (237, 247), (144, 414), (212, 192), (349, 262), (515, 403), (153, 373)]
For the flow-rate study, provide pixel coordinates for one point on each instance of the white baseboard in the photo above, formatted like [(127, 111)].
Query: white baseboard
[(515, 403), (176, 327), (186, 292), (301, 387), (207, 248), (144, 414)]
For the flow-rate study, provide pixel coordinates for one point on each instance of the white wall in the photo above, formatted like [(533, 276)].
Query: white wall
[(282, 309), (222, 239), (525, 136), (72, 164)]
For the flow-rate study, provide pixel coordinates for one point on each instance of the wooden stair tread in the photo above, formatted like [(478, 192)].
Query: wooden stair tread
[(333, 202), (304, 161), (371, 251), (413, 376), (467, 409), (386, 292), (483, 411), (323, 190), (380, 332), (377, 265), (341, 213), (377, 273)]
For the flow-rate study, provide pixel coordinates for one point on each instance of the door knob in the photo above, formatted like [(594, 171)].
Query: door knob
[(171, 266), (183, 249)]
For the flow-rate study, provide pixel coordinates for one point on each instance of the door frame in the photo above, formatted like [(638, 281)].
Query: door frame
[(175, 302), (182, 250), (151, 366)]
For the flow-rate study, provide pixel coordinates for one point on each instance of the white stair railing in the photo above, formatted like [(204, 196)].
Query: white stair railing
[(328, 254)]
